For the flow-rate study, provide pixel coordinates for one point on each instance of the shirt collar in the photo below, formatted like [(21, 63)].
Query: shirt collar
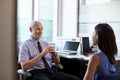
[(34, 40)]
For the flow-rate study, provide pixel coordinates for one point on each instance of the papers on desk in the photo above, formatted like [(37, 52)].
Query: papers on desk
[(75, 56)]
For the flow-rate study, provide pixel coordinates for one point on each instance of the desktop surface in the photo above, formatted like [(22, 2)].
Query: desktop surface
[(75, 56)]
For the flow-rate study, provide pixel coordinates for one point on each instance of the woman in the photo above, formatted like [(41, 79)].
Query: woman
[(101, 66)]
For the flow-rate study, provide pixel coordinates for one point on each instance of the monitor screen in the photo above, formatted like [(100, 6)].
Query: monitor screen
[(85, 45), (71, 45)]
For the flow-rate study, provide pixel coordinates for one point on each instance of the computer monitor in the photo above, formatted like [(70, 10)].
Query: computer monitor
[(85, 45)]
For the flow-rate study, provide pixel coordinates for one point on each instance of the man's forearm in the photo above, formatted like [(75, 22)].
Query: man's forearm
[(30, 63)]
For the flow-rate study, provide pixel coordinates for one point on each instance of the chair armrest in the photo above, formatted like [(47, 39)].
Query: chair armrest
[(59, 66), (22, 72)]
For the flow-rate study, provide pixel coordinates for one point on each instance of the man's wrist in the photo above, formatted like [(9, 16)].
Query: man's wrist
[(55, 54)]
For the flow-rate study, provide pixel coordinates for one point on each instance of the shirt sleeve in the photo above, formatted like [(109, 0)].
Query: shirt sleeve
[(23, 53)]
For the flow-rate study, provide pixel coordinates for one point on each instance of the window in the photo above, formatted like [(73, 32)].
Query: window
[(69, 19), (43, 10), (24, 17), (91, 2), (46, 15)]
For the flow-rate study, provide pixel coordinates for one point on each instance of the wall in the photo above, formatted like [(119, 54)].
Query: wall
[(7, 39), (91, 15)]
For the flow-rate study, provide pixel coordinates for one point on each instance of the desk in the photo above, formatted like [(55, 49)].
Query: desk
[(74, 64)]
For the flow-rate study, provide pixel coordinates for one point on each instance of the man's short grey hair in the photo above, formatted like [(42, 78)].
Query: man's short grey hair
[(33, 23)]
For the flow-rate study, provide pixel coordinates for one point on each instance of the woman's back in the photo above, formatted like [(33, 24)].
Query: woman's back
[(106, 70)]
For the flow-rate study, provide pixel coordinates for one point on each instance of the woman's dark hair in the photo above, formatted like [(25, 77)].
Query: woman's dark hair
[(106, 40)]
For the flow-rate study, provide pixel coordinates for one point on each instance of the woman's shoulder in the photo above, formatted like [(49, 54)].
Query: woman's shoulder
[(94, 62), (95, 57)]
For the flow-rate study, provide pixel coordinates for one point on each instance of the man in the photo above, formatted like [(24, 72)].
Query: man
[(36, 56)]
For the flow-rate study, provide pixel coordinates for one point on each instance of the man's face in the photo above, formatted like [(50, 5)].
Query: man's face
[(37, 30)]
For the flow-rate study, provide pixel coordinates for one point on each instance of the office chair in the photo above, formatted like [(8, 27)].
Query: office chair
[(24, 74)]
